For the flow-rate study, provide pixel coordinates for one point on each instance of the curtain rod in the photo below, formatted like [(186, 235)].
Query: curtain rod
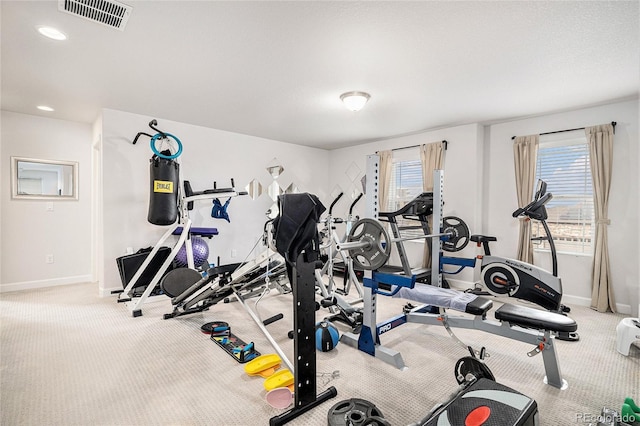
[(613, 123), (416, 146)]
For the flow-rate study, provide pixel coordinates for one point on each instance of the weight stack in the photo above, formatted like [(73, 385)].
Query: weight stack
[(486, 402)]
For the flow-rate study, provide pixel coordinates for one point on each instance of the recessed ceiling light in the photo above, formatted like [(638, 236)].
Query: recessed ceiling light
[(45, 108), (52, 33)]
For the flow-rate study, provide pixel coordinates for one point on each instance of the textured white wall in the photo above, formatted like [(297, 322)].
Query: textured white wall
[(29, 232), (209, 155), (480, 188)]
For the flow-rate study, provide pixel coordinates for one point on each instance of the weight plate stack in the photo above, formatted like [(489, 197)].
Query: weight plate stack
[(355, 412)]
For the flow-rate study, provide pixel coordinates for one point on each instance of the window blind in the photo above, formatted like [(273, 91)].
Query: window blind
[(405, 185), (565, 168)]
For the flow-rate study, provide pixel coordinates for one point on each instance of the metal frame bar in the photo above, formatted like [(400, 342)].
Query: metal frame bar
[(436, 243)]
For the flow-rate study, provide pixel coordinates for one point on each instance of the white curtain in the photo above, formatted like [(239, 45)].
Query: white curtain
[(600, 140), (525, 153), (431, 158)]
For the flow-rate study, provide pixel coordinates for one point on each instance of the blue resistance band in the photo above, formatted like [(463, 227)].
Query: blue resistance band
[(161, 155)]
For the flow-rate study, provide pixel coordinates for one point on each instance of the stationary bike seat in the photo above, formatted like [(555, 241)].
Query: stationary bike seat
[(482, 238)]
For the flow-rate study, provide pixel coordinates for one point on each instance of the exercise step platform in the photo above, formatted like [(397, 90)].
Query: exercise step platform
[(486, 402)]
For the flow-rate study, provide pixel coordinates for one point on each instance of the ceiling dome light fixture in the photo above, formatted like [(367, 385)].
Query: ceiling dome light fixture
[(52, 33), (354, 101)]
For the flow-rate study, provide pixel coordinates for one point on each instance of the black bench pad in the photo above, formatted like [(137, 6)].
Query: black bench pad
[(479, 306), (535, 318)]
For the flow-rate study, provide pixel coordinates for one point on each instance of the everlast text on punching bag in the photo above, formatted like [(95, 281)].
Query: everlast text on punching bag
[(163, 197)]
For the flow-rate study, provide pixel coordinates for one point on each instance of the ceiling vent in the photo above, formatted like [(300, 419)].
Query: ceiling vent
[(110, 13)]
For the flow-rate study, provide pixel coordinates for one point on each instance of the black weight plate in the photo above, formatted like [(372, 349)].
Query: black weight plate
[(470, 365), (178, 280), (376, 421), (377, 253), (459, 231), (352, 411), (208, 327)]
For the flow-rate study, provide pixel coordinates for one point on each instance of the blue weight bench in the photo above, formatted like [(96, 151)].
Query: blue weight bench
[(528, 325)]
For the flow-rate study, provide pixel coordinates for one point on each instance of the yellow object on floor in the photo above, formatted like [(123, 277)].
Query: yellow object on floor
[(264, 365), (279, 379)]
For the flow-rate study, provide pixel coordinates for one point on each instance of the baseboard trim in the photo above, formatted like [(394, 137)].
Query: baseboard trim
[(567, 299), (29, 285)]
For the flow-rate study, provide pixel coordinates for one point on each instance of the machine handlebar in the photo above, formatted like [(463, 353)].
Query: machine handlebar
[(335, 201), (354, 203), (533, 209)]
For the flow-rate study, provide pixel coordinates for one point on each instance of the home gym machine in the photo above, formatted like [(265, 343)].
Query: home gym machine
[(524, 324), (169, 205), (191, 292)]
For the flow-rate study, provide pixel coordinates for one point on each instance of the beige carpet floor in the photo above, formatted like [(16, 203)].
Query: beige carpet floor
[(69, 357)]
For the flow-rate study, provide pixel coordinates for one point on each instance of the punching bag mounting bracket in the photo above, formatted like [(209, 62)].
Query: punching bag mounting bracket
[(153, 123)]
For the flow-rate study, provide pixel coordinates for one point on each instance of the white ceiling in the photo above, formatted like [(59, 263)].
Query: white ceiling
[(276, 69)]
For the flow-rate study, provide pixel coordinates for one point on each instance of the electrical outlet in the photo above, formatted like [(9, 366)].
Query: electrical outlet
[(48, 258), (49, 207), (234, 253)]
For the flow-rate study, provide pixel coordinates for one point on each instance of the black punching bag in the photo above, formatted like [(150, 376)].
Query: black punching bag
[(163, 197)]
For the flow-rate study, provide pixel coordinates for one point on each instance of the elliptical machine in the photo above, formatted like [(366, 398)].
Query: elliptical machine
[(522, 280)]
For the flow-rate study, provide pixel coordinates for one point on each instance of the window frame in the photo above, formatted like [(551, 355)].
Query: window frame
[(408, 155), (580, 247)]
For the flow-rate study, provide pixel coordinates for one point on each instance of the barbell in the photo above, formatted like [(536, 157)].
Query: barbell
[(369, 244)]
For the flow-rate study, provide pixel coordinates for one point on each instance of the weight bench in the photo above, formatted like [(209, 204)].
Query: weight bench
[(520, 323)]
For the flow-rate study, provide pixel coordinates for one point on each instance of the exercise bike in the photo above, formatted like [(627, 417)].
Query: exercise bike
[(503, 276)]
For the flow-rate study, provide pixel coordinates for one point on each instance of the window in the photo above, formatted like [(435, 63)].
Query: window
[(405, 185), (563, 163)]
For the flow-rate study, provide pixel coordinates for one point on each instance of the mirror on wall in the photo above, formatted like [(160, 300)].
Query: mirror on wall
[(33, 178)]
